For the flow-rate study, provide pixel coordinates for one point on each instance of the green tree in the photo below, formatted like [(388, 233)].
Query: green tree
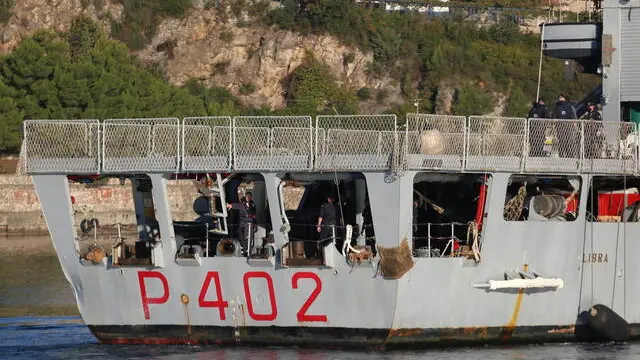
[(518, 104), (364, 93), (216, 101), (313, 90), (10, 119), (41, 79), (6, 10), (471, 100), (412, 47), (141, 17), (83, 35)]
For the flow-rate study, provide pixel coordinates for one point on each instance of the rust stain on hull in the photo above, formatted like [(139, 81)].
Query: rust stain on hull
[(510, 326), (404, 332), (184, 298), (481, 332)]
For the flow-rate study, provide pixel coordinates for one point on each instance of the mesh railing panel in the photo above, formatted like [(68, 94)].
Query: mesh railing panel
[(206, 143), (609, 147), (292, 148), (62, 146), (272, 143), (141, 145), (554, 145), (356, 142), (495, 143), (435, 142)]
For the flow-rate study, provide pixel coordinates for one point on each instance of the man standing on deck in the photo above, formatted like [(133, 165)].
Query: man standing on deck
[(536, 135), (327, 219), (247, 209), (539, 110), (592, 139), (568, 133)]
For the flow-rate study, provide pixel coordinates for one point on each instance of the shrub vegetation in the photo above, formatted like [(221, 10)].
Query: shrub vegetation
[(90, 76), (409, 46)]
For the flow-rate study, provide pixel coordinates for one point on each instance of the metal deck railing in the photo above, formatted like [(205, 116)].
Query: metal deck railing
[(331, 143)]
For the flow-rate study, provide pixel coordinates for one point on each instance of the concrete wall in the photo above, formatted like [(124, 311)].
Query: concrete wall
[(110, 203)]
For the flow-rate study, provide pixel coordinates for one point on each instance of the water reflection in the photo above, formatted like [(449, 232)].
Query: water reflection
[(32, 282)]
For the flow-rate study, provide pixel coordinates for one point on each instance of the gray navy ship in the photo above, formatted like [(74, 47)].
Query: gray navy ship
[(362, 230)]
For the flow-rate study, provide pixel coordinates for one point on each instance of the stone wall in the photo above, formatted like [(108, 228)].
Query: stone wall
[(110, 203)]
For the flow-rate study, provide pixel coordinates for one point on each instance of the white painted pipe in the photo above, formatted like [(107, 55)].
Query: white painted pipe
[(536, 283)]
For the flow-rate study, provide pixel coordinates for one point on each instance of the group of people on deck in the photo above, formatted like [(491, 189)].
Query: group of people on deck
[(562, 110), (567, 134), (246, 207)]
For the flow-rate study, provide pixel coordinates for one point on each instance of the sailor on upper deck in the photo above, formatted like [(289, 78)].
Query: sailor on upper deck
[(568, 134)]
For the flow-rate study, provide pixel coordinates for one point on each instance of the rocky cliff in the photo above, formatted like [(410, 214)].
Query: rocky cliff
[(226, 55), (220, 44), (29, 16), (209, 44)]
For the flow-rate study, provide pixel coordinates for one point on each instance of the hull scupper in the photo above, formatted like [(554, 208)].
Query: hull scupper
[(346, 231)]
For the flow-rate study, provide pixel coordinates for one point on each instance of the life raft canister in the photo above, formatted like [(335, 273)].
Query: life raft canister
[(607, 324)]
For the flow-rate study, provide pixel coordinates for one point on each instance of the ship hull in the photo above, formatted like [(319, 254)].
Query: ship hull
[(229, 301), (335, 337)]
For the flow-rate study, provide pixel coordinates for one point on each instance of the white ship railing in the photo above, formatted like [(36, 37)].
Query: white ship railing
[(139, 145), (449, 239), (356, 142), (333, 143), (555, 145), (496, 143), (206, 143), (62, 146), (272, 143), (610, 147), (435, 142)]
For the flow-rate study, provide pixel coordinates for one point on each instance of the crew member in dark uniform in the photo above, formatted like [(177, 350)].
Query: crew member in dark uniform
[(539, 110), (247, 211), (592, 113), (593, 141), (327, 219), (568, 134), (537, 128)]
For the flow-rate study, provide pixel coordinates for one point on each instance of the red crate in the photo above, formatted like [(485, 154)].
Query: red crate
[(610, 204)]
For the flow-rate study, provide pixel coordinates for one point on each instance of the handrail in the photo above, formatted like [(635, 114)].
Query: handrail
[(331, 143), (450, 238)]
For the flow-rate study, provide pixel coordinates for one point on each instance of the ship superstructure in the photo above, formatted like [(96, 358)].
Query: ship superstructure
[(451, 229)]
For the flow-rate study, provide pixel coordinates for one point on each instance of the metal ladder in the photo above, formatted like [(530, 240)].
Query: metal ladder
[(217, 189)]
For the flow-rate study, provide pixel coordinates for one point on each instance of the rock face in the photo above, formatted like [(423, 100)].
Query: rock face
[(211, 45), (222, 47), (445, 99), (56, 15), (250, 56)]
